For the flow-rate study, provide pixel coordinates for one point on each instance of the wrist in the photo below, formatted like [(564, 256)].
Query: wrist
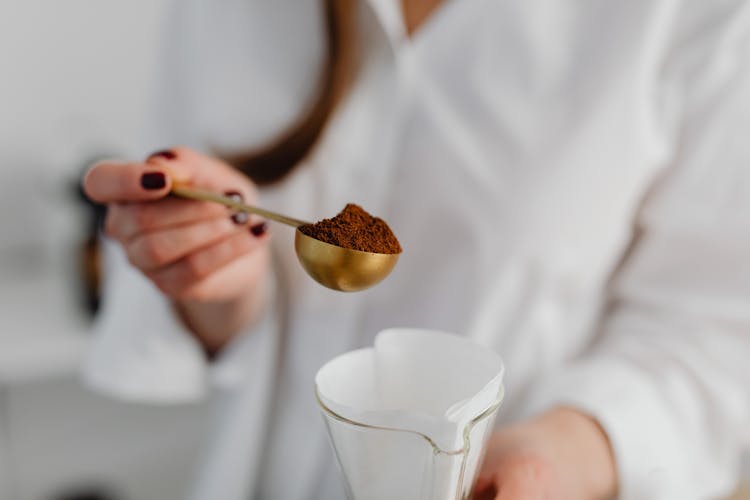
[(215, 323)]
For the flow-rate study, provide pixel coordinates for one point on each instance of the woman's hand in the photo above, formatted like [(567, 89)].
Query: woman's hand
[(561, 455), (210, 261)]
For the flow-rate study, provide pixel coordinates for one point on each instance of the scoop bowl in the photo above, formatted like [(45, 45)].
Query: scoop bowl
[(339, 268)]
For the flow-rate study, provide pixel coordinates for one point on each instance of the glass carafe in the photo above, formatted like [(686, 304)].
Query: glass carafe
[(409, 465)]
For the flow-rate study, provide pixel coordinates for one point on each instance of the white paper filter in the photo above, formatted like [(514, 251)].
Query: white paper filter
[(422, 381)]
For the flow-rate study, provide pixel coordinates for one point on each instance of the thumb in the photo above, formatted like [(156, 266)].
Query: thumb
[(484, 488), (522, 482), (110, 181), (513, 490)]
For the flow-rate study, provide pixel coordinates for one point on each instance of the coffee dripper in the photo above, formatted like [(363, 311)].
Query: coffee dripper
[(396, 434)]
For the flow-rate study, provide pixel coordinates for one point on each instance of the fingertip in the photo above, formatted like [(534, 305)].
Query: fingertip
[(86, 185), (92, 181), (109, 182)]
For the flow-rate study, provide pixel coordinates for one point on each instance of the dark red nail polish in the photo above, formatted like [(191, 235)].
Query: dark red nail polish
[(259, 229), (240, 218), (153, 180), (166, 154), (235, 195)]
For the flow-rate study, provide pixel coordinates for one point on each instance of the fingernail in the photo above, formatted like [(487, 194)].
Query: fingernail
[(259, 229), (166, 154), (153, 180), (240, 218), (235, 195)]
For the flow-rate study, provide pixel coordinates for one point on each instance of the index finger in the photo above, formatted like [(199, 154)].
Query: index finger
[(111, 181)]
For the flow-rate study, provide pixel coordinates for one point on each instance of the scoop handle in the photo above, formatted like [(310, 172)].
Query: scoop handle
[(200, 195)]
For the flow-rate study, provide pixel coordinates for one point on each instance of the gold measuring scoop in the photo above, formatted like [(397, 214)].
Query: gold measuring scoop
[(332, 266)]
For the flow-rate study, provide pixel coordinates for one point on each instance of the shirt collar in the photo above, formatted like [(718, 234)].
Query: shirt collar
[(389, 16)]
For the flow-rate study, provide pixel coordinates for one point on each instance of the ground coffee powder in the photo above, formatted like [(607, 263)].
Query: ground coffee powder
[(355, 229)]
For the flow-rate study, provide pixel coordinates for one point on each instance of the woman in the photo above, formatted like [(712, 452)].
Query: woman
[(569, 181)]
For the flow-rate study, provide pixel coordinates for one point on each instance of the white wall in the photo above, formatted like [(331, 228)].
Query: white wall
[(74, 81)]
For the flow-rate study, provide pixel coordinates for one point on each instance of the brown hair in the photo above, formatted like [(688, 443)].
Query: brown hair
[(272, 162)]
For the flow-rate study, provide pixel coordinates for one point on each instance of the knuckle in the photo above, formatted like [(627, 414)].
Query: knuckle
[(233, 247), (151, 251), (241, 182), (197, 293), (132, 258), (195, 268), (181, 151), (230, 249), (113, 221), (168, 282), (141, 216), (166, 286), (111, 225), (220, 226), (239, 246)]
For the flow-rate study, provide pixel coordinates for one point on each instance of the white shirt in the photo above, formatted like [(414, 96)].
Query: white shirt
[(570, 182)]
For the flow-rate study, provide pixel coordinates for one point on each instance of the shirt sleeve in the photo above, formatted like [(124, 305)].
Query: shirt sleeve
[(669, 375), (141, 351)]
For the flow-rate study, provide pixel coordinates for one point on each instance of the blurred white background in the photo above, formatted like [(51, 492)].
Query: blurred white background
[(75, 79), (75, 84)]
